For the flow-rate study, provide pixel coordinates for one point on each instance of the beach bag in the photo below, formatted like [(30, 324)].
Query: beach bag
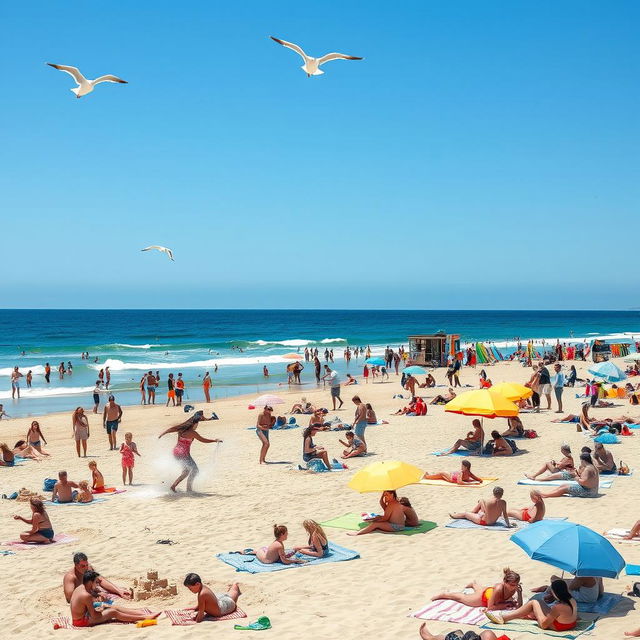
[(623, 469), (607, 438), (512, 444), (316, 465), (48, 484)]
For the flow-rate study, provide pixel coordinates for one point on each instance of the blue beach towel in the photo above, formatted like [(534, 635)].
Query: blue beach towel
[(251, 564), (632, 569), (461, 452), (72, 504), (602, 606)]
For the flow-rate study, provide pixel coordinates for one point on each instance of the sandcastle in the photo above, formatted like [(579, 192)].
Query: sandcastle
[(153, 587), (24, 495)]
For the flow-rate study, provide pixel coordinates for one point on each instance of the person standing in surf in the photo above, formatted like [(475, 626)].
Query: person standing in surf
[(182, 451)]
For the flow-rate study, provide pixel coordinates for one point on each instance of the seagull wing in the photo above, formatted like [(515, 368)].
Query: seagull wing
[(336, 56), (72, 71), (170, 254), (293, 47), (108, 79), (153, 246)]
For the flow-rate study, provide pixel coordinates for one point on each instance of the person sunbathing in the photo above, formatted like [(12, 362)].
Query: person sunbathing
[(501, 595), (317, 420), (443, 399), (85, 614), (564, 464), (7, 457), (392, 520), (633, 532), (318, 544), (534, 513), (464, 476), (209, 603), (276, 552), (603, 460), (588, 480), (84, 493), (472, 442), (582, 589), (500, 446), (425, 634), (24, 450), (586, 423), (302, 407), (429, 382), (41, 529), (560, 617), (486, 512), (411, 517), (633, 634), (515, 428), (408, 410), (355, 446), (371, 415)]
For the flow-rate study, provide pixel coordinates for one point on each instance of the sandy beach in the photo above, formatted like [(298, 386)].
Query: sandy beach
[(238, 501)]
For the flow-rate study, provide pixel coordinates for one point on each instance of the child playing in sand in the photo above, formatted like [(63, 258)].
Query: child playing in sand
[(275, 552), (128, 449), (464, 476), (318, 544), (84, 493), (355, 446), (209, 603), (97, 484)]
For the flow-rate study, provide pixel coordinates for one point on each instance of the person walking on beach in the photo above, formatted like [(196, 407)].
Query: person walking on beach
[(142, 389), (96, 396), (179, 390), (360, 419), (152, 383), (264, 424), (334, 381), (544, 380), (317, 367), (558, 385), (15, 383), (171, 391), (206, 385), (111, 417), (80, 425)]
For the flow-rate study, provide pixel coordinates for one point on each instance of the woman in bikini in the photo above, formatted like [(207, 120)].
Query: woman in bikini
[(182, 451), (276, 552), (562, 616), (41, 529), (310, 450), (501, 596), (464, 476), (534, 513), (24, 450), (264, 424), (80, 425), (34, 438), (318, 543)]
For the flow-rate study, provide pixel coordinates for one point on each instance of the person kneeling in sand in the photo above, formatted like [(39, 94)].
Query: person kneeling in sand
[(588, 480), (425, 634), (276, 552), (355, 446), (502, 595), (464, 476), (487, 512), (73, 579), (392, 520), (84, 614), (209, 603), (473, 441), (534, 513), (565, 464)]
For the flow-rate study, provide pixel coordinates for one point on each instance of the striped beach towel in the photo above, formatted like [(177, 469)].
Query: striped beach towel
[(61, 538), (450, 611), (185, 617), (64, 622)]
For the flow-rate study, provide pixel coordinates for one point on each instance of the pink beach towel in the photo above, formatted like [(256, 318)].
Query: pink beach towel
[(64, 622), (451, 611), (61, 538), (185, 617)]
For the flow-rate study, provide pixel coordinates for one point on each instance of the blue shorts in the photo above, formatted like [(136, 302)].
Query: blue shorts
[(179, 393), (359, 428), (264, 433), (112, 425)]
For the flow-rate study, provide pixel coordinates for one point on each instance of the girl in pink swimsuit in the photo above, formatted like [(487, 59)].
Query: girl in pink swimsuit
[(464, 476)]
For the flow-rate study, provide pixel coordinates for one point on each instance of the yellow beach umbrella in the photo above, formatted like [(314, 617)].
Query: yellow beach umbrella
[(513, 391), (485, 403), (387, 475)]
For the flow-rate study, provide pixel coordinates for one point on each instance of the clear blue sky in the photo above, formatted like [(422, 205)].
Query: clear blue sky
[(479, 157)]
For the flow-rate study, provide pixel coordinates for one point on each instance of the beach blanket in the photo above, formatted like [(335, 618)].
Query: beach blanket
[(604, 483), (444, 483), (251, 564), (61, 538), (48, 503), (460, 452), (450, 611), (530, 626), (353, 522), (186, 617), (109, 491), (618, 535), (632, 569), (64, 622), (602, 605)]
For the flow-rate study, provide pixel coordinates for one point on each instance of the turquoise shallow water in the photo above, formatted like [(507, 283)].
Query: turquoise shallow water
[(240, 342)]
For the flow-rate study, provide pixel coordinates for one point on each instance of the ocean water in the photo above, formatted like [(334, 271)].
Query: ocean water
[(240, 342)]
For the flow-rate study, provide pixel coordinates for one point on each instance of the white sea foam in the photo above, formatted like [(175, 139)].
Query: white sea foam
[(135, 346), (295, 342), (36, 370), (119, 365), (40, 392)]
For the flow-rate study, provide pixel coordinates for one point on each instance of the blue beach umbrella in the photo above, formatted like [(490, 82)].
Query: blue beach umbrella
[(570, 547), (376, 362), (414, 370), (608, 371)]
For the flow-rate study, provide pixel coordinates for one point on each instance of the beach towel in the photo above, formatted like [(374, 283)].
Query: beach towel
[(251, 564), (632, 569), (48, 503), (461, 452), (498, 526), (602, 605), (450, 611), (617, 535), (186, 617), (444, 483), (353, 522), (604, 483), (64, 622), (529, 626), (61, 538)]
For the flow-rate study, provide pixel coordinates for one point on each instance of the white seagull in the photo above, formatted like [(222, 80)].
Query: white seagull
[(84, 86), (158, 248), (311, 65)]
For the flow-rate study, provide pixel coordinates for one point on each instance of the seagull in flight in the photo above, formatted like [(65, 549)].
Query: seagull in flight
[(84, 86), (311, 65), (161, 249)]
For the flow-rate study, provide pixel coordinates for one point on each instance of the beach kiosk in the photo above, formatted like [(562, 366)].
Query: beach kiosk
[(432, 350)]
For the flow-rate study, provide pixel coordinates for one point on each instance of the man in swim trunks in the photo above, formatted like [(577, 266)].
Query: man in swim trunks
[(209, 603), (63, 489), (111, 417), (334, 381), (179, 389), (152, 384), (360, 419), (393, 519), (487, 512), (588, 480), (73, 579), (84, 614), (15, 383), (544, 382)]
